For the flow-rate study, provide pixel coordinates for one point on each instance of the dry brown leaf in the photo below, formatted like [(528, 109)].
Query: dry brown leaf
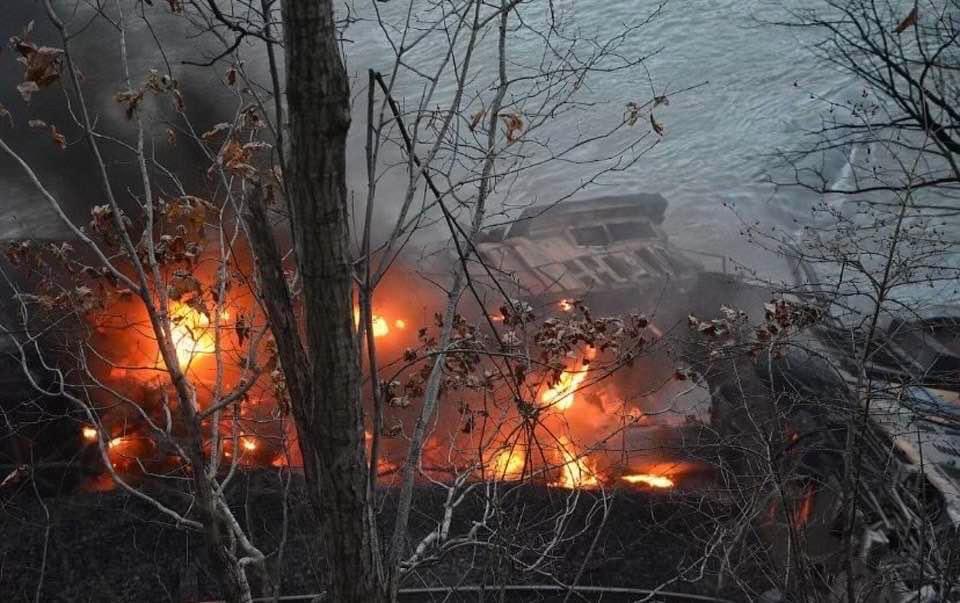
[(26, 90), (131, 99), (42, 65), (58, 138), (475, 119), (908, 21), (657, 126), (215, 131), (514, 125)]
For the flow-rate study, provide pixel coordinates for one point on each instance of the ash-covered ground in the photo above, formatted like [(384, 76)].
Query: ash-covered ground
[(109, 546)]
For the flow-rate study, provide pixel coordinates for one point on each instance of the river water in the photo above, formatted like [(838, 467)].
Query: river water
[(756, 97)]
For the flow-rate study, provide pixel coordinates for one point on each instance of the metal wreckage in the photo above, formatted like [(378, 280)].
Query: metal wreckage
[(785, 421)]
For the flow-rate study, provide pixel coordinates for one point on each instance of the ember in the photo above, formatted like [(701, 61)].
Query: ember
[(89, 433)]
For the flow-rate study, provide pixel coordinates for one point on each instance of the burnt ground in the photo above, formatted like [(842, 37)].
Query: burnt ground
[(110, 546)]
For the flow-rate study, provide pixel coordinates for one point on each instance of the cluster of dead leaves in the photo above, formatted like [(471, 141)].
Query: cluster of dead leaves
[(156, 83), (42, 64), (782, 319), (635, 110), (102, 222), (561, 340), (58, 138), (517, 313), (176, 6), (513, 124), (234, 156)]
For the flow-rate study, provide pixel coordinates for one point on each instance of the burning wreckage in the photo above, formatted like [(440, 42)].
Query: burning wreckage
[(745, 416), (799, 408)]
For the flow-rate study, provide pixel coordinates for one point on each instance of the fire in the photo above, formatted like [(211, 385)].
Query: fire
[(563, 393), (249, 444), (89, 433), (803, 511), (650, 479), (191, 333), (566, 305), (509, 464), (381, 328), (576, 471)]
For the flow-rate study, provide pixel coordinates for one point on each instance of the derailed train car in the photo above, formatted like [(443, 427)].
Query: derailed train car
[(899, 408)]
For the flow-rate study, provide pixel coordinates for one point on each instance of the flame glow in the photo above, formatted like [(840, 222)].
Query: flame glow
[(508, 465), (803, 511), (191, 332), (563, 393), (249, 444), (566, 305), (89, 433), (381, 328), (576, 472), (650, 479)]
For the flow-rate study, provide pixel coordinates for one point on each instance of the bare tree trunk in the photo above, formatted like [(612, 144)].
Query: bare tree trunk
[(327, 411)]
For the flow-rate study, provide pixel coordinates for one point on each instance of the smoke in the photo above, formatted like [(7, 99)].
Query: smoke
[(155, 40)]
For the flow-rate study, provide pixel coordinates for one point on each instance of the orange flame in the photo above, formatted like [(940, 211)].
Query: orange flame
[(509, 464), (381, 328), (566, 305), (803, 511), (576, 471), (191, 333), (650, 479), (563, 393), (89, 433)]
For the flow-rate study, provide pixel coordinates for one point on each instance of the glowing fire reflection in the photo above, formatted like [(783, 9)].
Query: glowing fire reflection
[(650, 479)]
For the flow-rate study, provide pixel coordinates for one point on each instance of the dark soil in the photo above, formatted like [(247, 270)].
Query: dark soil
[(112, 547)]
